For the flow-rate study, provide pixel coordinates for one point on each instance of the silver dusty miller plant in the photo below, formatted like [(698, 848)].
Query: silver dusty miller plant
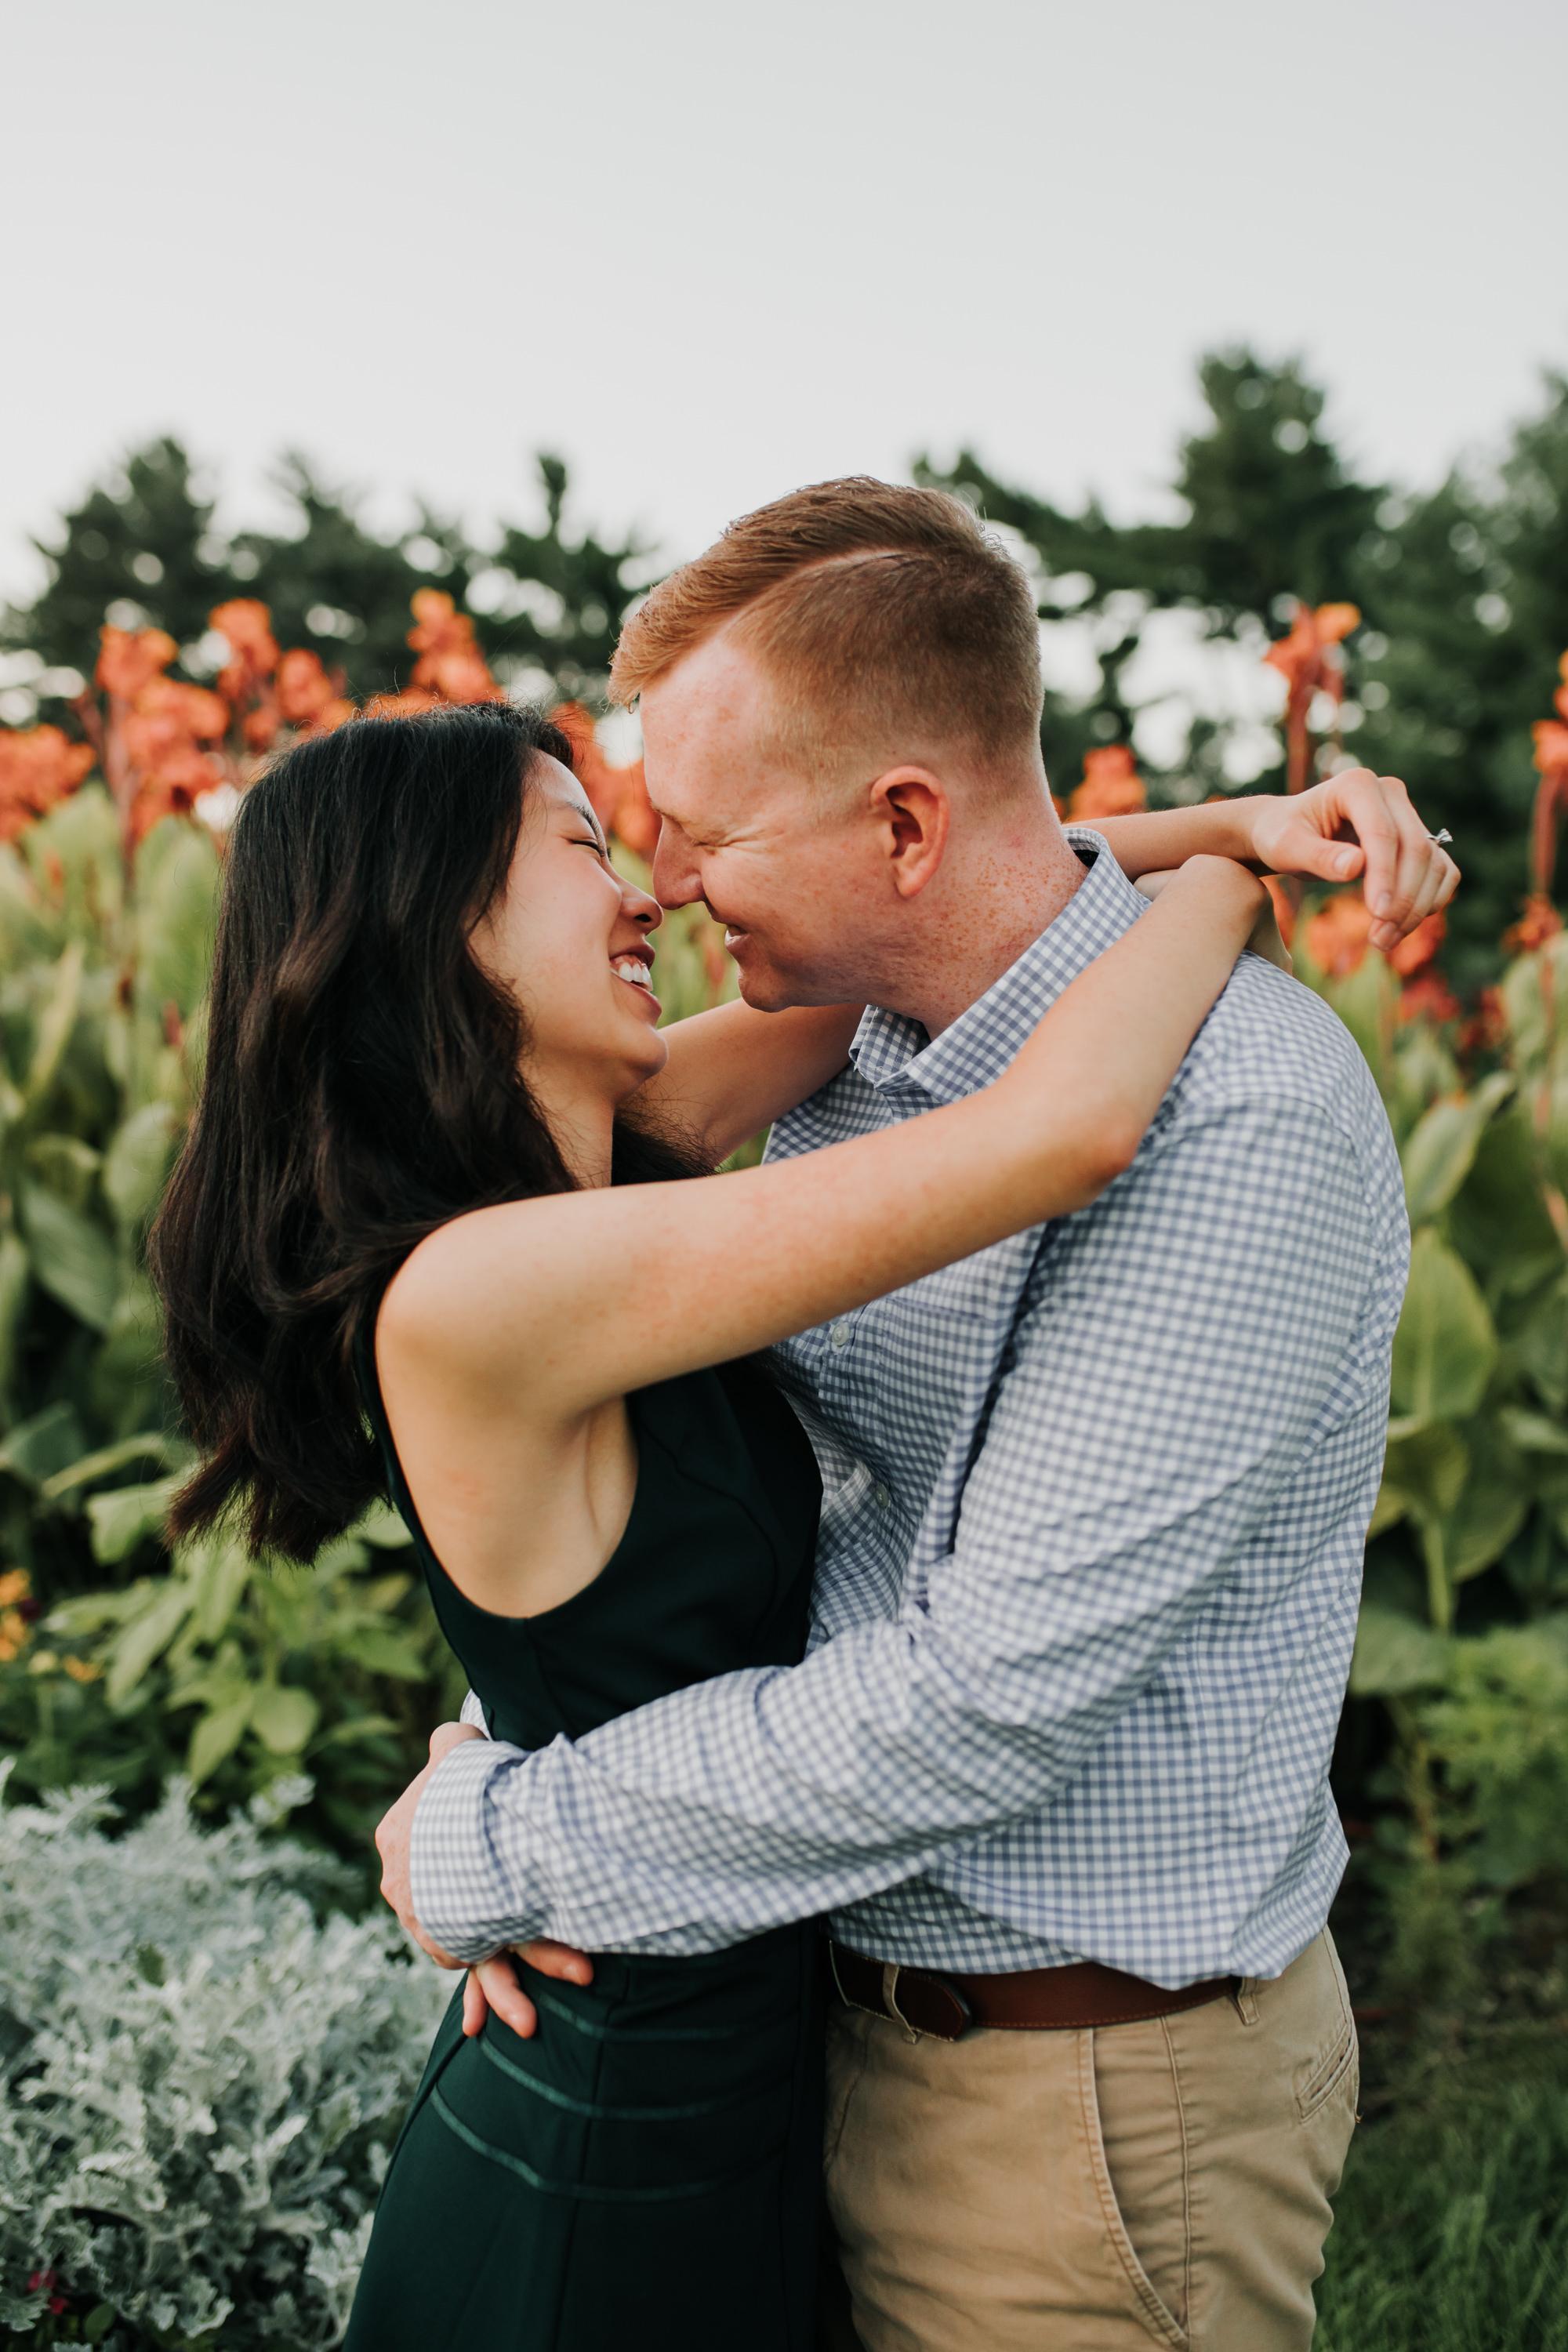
[(202, 2070)]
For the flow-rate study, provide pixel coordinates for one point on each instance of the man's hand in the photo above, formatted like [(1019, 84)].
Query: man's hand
[(493, 1983), (1317, 832)]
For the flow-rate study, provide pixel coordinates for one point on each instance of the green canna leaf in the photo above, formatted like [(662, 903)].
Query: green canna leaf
[(217, 1736), (137, 1161), (146, 1637), (73, 1258), (283, 1718), (1446, 1346), (1438, 1153), (121, 1518)]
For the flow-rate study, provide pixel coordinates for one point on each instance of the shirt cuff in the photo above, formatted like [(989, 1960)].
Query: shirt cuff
[(473, 1713), (467, 1898)]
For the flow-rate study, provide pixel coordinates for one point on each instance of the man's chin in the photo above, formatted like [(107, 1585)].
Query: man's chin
[(765, 991)]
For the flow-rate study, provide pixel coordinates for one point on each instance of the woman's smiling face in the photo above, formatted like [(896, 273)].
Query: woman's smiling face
[(570, 939)]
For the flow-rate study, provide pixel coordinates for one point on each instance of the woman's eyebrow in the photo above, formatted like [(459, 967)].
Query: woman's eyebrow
[(583, 809)]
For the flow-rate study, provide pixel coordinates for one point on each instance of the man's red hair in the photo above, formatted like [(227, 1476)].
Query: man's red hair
[(883, 617)]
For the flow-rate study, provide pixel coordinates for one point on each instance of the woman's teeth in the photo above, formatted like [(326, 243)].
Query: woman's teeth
[(629, 968)]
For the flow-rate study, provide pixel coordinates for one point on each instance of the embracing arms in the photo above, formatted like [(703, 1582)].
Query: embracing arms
[(733, 1071), (1078, 1561), (535, 1312)]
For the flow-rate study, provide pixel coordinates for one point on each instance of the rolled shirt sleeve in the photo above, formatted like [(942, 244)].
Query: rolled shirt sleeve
[(1195, 1333)]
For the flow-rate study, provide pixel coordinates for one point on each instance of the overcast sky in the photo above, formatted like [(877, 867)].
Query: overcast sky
[(709, 251)]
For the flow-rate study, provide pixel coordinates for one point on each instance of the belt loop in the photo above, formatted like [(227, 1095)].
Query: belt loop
[(1244, 1992), (890, 1974)]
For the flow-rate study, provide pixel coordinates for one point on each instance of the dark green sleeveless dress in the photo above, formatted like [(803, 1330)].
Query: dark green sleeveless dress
[(643, 2172)]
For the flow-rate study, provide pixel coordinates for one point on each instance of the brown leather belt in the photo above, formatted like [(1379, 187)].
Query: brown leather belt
[(1029, 2000)]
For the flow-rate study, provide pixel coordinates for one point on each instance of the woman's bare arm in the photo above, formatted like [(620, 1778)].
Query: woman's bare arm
[(538, 1311), (1354, 823), (733, 1071)]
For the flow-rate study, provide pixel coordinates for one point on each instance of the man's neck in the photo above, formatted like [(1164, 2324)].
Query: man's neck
[(997, 908)]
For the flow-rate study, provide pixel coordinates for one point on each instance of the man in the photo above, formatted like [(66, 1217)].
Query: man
[(1096, 1498)]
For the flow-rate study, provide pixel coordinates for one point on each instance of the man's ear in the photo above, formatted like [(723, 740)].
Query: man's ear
[(912, 809)]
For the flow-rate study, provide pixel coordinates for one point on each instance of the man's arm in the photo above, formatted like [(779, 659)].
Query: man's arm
[(1162, 1407)]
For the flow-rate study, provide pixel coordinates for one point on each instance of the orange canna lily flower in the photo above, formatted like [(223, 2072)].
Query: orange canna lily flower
[(618, 795), (302, 686), (260, 724), (1417, 950), (129, 661), (1539, 923), (1284, 907), (407, 705), (1111, 785), (450, 663), (1551, 794), (1486, 1030), (245, 623), (1336, 934), (189, 708), (39, 767), (1428, 997), (437, 621), (1309, 667)]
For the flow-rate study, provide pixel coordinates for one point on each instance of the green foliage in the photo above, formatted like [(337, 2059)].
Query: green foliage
[(202, 2071), (236, 1672), (1451, 2230), (1463, 1637), (144, 549)]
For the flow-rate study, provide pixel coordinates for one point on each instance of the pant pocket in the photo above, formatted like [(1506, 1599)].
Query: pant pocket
[(846, 2059), (1136, 2144), (1339, 2061)]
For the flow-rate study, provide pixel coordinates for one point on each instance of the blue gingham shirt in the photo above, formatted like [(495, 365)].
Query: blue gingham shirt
[(1089, 1565)]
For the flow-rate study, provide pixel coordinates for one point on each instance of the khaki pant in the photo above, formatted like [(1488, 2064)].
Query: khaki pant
[(1097, 2191)]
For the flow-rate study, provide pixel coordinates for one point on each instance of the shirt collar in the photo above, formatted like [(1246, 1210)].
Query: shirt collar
[(891, 1052)]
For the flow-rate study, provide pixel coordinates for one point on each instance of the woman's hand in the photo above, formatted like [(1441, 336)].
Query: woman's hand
[(1354, 824), (1357, 823), (494, 1985)]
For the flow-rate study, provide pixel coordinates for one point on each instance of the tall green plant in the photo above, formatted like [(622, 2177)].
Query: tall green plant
[(1464, 1625)]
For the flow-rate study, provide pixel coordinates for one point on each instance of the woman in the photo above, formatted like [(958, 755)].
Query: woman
[(424, 1188)]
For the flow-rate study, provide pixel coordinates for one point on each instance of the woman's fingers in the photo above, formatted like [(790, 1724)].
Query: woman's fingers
[(1428, 884), (493, 1985)]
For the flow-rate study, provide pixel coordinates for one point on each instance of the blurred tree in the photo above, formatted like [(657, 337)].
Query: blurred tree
[(1272, 514), (1467, 592), (1462, 593), (143, 549)]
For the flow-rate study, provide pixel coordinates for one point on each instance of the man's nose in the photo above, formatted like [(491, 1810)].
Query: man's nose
[(676, 882)]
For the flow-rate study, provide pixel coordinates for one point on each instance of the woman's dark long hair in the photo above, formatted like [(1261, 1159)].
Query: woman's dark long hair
[(361, 1087)]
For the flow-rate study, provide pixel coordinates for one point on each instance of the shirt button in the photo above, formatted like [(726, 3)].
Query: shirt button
[(839, 1335), (881, 1494)]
